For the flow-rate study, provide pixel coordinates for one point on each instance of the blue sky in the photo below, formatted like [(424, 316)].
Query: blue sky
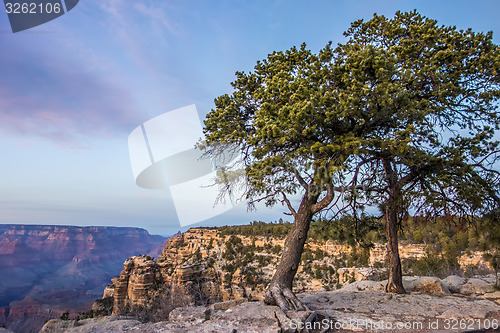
[(72, 90)]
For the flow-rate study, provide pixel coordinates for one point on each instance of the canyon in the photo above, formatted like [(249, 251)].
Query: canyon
[(47, 270), (209, 280)]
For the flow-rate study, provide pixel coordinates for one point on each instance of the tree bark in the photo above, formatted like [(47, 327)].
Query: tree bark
[(395, 282), (279, 292)]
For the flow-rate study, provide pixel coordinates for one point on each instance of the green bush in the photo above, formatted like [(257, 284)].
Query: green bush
[(64, 316)]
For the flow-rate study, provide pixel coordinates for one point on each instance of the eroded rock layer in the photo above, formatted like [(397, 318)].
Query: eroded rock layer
[(207, 265)]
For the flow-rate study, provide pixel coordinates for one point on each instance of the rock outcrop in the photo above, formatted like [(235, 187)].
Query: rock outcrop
[(432, 285), (475, 286), (47, 270), (335, 311), (201, 266), (206, 265), (425, 284)]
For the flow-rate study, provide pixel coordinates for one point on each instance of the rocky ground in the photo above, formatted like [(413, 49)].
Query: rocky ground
[(454, 304)]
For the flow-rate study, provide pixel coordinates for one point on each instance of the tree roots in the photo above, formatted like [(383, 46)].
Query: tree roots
[(284, 298), (394, 288)]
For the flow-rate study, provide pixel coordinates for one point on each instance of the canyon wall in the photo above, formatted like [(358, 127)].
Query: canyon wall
[(47, 270)]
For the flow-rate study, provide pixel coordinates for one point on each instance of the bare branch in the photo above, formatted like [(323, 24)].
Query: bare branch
[(263, 198), (289, 205), (300, 179), (485, 158)]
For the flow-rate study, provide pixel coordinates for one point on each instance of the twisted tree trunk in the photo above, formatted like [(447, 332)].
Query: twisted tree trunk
[(279, 292), (395, 282)]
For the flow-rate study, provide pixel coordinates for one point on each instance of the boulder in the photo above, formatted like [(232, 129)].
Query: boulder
[(454, 282), (365, 285), (476, 286), (425, 284), (351, 310), (408, 282)]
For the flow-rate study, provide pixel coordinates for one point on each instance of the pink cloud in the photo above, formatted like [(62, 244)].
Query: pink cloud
[(62, 102)]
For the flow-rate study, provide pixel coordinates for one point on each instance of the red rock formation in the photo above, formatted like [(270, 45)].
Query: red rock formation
[(47, 270)]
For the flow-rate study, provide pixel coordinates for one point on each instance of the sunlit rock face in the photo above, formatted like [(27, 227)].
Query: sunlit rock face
[(208, 265)]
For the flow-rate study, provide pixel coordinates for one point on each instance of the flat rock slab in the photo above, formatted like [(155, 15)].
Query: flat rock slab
[(377, 311), (340, 311)]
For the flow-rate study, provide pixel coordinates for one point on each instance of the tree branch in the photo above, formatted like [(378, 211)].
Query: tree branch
[(330, 194), (300, 179), (290, 207)]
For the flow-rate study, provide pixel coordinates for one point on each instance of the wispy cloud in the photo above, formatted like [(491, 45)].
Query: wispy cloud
[(64, 88), (157, 13), (144, 30), (40, 96), (72, 84)]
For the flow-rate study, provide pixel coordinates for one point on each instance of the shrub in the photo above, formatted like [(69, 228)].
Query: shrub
[(64, 316)]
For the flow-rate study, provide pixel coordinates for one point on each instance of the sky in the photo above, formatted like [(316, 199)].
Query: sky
[(73, 89)]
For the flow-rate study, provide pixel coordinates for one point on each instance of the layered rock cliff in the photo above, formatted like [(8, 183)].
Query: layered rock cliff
[(47, 270), (206, 265)]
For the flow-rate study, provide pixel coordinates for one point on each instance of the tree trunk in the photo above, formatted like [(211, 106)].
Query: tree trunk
[(279, 292), (395, 282)]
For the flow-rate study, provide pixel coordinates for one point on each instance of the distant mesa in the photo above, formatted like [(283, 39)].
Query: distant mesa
[(47, 270)]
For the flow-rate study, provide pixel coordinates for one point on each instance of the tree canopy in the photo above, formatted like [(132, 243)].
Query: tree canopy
[(422, 101), (277, 116), (403, 115), (424, 98)]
